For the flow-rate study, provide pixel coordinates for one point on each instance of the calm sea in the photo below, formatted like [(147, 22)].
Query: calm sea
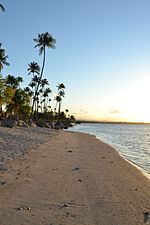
[(132, 141)]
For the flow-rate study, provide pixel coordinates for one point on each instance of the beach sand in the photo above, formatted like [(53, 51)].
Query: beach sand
[(73, 179)]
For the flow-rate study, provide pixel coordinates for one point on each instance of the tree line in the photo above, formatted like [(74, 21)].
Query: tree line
[(34, 101)]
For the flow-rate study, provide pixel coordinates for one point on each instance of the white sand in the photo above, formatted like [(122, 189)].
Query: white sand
[(73, 179)]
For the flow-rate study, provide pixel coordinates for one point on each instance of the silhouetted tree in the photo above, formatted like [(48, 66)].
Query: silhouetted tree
[(66, 110), (34, 68), (13, 82), (58, 98), (19, 104), (44, 40)]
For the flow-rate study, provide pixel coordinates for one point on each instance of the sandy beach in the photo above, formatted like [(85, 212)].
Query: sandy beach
[(64, 178)]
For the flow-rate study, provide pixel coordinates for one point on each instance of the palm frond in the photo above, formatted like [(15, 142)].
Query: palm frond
[(2, 8)]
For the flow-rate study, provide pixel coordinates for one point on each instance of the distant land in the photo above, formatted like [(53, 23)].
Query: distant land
[(112, 122)]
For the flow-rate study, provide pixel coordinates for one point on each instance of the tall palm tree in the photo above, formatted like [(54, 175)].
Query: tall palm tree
[(27, 89), (2, 84), (61, 93), (46, 95), (58, 101), (2, 8), (3, 58), (34, 68), (44, 40)]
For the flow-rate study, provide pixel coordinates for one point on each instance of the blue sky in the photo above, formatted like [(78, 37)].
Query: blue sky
[(102, 53)]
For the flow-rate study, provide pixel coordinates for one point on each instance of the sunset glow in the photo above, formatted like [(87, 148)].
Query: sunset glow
[(102, 55)]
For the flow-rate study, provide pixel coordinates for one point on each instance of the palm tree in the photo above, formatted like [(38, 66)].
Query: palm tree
[(66, 110), (49, 103), (2, 85), (34, 68), (61, 86), (19, 103), (44, 40), (7, 91), (3, 58), (45, 95), (44, 82), (58, 101), (61, 93), (28, 90), (2, 8), (13, 82)]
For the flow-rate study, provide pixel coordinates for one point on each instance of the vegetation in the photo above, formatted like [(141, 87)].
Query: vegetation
[(44, 40), (34, 101), (3, 58)]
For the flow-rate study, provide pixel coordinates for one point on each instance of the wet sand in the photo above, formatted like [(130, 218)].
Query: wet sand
[(73, 179)]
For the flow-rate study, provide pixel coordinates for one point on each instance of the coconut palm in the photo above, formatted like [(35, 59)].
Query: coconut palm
[(61, 86), (49, 103), (34, 68), (27, 89), (66, 110), (46, 95), (3, 58), (61, 93), (19, 103), (42, 91), (2, 84), (13, 82), (58, 101), (44, 82), (44, 40)]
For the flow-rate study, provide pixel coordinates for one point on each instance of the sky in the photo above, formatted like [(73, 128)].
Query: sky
[(102, 53)]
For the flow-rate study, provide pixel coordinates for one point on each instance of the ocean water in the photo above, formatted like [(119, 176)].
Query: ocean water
[(131, 140)]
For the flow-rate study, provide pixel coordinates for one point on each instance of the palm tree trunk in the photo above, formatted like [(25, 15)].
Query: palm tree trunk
[(59, 107), (38, 83), (1, 109)]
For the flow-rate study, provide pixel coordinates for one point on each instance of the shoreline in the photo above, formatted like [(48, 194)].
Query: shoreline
[(73, 178), (126, 157), (144, 172)]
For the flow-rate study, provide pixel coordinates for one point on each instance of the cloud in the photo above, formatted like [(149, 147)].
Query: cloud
[(114, 111), (83, 111)]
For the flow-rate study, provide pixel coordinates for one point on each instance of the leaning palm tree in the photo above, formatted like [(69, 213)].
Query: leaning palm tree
[(44, 40), (2, 8), (3, 58)]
